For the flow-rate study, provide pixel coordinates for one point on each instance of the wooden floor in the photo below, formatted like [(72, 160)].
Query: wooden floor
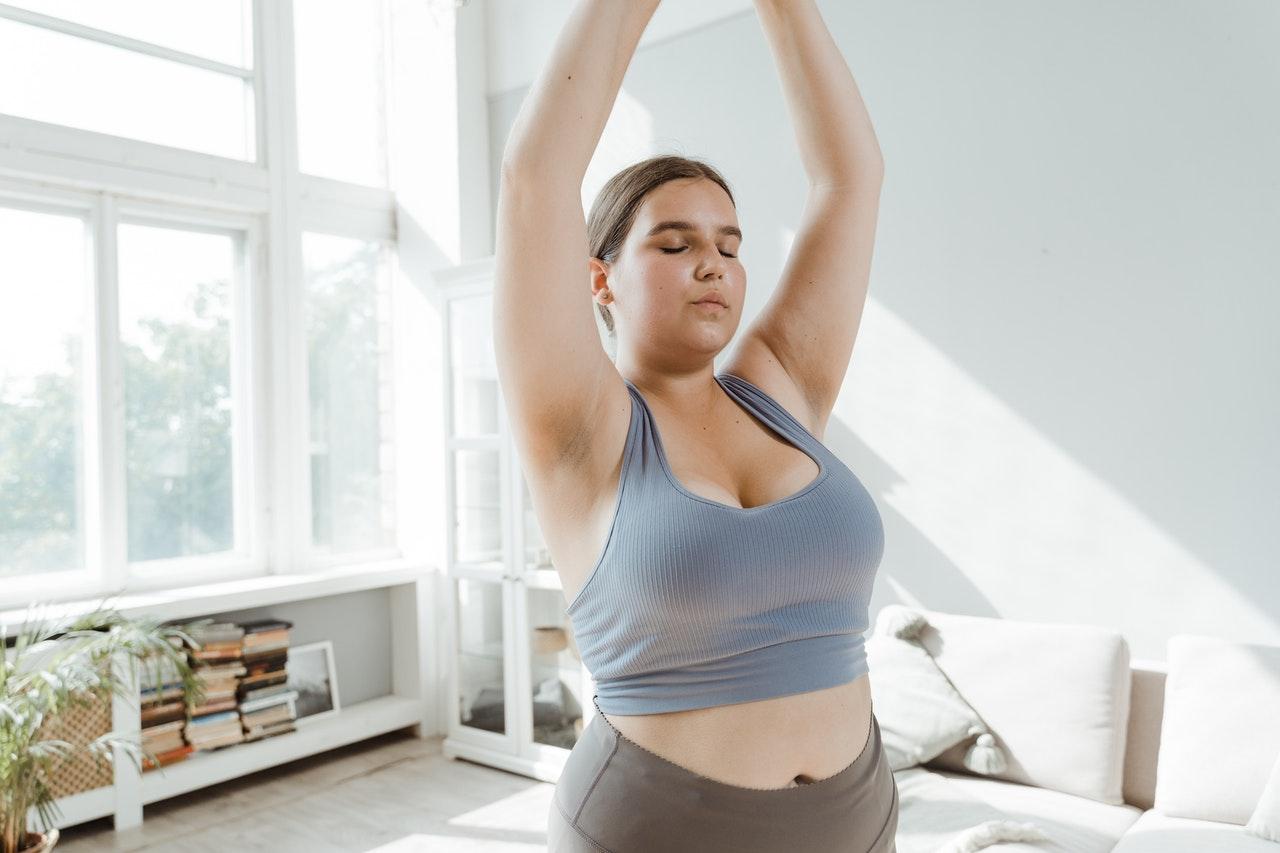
[(390, 794)]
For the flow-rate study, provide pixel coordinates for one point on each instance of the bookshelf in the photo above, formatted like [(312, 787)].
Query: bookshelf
[(384, 675), (359, 721)]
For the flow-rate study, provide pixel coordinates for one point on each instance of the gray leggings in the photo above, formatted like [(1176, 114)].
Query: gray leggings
[(615, 796)]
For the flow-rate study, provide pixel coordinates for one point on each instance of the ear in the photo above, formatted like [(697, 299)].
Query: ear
[(599, 272)]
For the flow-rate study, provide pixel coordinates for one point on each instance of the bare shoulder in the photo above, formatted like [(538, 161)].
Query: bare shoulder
[(754, 361)]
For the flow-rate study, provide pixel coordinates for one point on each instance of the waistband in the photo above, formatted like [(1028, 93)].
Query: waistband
[(865, 771)]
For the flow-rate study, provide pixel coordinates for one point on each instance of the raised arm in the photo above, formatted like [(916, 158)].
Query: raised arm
[(837, 143), (561, 120), (558, 384), (804, 335)]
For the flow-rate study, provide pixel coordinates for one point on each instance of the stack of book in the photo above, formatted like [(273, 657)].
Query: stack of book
[(164, 713), (217, 663), (267, 705)]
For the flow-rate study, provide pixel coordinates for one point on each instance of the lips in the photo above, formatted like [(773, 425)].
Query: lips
[(711, 299)]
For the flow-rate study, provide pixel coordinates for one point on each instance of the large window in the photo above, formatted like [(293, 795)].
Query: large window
[(178, 76), (44, 270), (197, 247), (349, 366), (175, 344), (341, 54)]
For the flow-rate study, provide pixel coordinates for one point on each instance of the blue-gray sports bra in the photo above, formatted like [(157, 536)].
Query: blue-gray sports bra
[(694, 603)]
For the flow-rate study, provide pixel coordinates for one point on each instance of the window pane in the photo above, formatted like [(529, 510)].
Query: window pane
[(222, 31), (477, 506), (475, 372), (339, 53), (43, 273), (480, 664), (61, 79), (349, 364), (175, 309)]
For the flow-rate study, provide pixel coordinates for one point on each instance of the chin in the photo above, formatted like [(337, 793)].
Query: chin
[(714, 341)]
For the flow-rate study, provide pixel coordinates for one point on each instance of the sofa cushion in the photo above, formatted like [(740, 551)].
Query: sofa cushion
[(1219, 737), (1265, 821), (919, 711), (934, 814), (1055, 696), (1076, 824), (1157, 833), (937, 806)]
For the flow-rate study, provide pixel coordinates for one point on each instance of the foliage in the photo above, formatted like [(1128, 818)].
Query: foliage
[(55, 665), (178, 412)]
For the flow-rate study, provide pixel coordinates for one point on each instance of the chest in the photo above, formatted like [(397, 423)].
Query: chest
[(817, 548), (737, 464)]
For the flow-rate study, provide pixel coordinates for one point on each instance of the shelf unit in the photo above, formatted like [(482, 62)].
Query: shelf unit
[(519, 693), (410, 600)]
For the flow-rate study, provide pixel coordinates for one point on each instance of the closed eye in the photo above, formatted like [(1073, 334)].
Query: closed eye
[(682, 248)]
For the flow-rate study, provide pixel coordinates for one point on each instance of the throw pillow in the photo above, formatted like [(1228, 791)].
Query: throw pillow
[(1218, 737), (1265, 822), (921, 714)]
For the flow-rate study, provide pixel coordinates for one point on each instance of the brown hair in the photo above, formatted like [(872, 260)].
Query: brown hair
[(614, 210)]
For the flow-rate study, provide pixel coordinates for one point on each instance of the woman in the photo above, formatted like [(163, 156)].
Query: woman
[(717, 557)]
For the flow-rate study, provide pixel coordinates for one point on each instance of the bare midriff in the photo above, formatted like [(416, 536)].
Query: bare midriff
[(781, 742)]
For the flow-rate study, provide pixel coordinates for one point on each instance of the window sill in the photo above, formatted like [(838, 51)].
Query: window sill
[(186, 602)]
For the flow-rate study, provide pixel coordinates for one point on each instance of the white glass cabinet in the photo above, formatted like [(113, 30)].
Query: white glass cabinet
[(516, 684)]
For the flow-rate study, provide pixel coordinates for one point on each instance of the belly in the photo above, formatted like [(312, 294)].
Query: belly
[(780, 742)]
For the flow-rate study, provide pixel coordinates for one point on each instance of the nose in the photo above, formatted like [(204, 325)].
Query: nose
[(716, 263)]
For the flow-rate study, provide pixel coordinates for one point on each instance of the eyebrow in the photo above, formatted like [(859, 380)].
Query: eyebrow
[(682, 225)]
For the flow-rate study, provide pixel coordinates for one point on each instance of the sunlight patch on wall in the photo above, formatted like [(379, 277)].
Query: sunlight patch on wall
[(1028, 525)]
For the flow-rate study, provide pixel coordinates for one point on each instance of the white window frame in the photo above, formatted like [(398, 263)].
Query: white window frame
[(106, 179)]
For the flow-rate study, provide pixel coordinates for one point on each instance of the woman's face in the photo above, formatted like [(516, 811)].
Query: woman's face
[(662, 272)]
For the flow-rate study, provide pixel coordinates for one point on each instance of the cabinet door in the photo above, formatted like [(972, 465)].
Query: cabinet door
[(518, 674), (476, 498), (479, 555), (475, 397), (558, 681), (556, 675), (480, 644), (477, 458)]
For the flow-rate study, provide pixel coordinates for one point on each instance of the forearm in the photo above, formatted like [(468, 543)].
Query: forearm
[(563, 116), (838, 145)]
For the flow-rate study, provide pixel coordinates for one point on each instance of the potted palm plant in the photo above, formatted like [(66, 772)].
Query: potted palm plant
[(54, 666)]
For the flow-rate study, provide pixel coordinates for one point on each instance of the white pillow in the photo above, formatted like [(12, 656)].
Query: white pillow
[(1055, 695), (919, 711), (1265, 822), (1219, 737)]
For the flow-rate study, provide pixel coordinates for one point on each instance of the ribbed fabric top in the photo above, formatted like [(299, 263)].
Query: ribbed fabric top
[(694, 603)]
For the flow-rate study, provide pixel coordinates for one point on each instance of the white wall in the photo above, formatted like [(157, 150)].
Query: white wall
[(1065, 392)]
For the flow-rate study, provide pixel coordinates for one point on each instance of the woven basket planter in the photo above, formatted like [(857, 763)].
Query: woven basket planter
[(79, 726)]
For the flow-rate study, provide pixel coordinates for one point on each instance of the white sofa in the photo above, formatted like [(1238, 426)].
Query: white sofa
[(1080, 725)]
